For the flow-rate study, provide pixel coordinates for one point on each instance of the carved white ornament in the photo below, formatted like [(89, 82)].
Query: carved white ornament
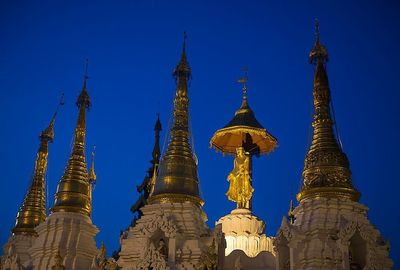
[(152, 258), (158, 221)]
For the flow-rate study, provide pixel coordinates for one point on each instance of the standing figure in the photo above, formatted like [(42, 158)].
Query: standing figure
[(162, 249), (240, 189)]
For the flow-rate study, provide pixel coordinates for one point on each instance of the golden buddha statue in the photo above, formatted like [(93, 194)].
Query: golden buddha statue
[(240, 189)]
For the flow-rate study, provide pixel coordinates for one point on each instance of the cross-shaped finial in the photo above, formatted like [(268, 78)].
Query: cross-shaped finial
[(244, 80)]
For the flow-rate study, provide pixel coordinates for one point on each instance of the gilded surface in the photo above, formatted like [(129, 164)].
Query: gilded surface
[(240, 189), (74, 189), (33, 209), (326, 167), (243, 137), (244, 125), (177, 172)]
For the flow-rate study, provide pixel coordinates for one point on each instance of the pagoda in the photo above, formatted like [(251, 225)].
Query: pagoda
[(69, 224), (33, 209), (171, 232), (329, 229)]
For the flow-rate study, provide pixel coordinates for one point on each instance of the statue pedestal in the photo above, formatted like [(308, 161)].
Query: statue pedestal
[(244, 231)]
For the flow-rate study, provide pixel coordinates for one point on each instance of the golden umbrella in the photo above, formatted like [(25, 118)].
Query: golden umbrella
[(243, 131)]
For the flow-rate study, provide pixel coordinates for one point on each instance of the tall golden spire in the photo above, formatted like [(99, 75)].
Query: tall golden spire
[(74, 189), (326, 167), (33, 209), (177, 178)]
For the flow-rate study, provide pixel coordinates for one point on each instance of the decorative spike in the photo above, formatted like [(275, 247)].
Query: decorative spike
[(33, 208), (48, 133), (103, 251), (156, 149), (74, 189), (92, 174), (182, 72), (326, 167), (319, 52), (177, 178), (291, 216), (243, 81)]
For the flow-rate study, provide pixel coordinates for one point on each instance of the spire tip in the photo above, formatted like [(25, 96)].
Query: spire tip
[(184, 41), (244, 80), (318, 52)]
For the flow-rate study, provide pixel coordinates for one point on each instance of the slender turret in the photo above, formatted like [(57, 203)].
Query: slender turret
[(33, 209), (74, 189), (147, 185), (177, 178), (92, 173), (156, 149), (326, 167)]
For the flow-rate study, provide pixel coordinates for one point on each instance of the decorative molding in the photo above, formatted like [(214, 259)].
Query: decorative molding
[(158, 221), (151, 258)]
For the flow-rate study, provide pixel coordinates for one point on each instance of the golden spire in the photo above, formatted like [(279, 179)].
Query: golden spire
[(33, 209), (74, 189), (326, 167), (177, 178)]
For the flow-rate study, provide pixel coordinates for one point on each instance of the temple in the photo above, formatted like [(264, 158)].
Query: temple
[(327, 229)]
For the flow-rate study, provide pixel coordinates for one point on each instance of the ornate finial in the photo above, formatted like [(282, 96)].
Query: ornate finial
[(92, 174), (183, 68), (84, 99), (291, 216), (319, 52), (244, 80)]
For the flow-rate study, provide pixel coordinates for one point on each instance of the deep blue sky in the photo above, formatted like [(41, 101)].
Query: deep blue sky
[(133, 47)]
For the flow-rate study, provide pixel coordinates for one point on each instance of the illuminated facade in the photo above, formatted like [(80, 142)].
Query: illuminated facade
[(329, 228)]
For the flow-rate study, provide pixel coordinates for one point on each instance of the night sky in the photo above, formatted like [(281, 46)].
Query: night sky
[(133, 47)]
